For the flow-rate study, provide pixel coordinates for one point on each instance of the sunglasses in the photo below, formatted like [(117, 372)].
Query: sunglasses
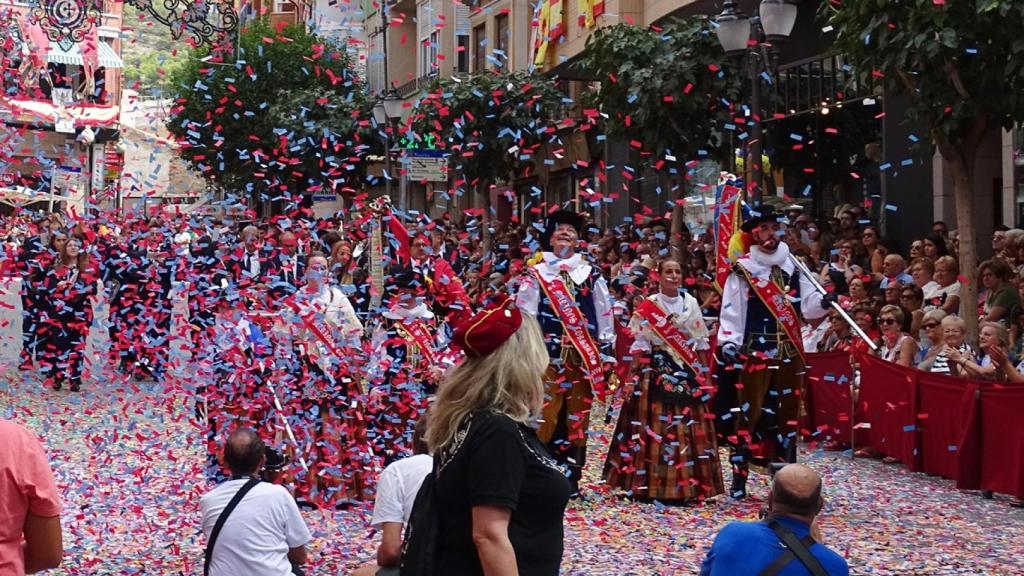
[(887, 321), (930, 325)]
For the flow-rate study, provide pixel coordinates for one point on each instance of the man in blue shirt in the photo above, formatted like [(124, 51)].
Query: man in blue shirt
[(757, 549)]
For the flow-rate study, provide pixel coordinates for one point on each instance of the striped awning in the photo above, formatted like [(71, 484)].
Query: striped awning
[(73, 55)]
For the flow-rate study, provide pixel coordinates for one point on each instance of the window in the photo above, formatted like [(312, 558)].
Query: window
[(461, 38), (480, 48), (428, 54), (429, 38), (501, 41)]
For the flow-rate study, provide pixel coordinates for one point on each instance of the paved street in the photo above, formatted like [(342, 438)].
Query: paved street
[(128, 459)]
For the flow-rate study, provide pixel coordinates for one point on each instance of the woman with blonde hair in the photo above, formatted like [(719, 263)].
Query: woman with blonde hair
[(500, 496)]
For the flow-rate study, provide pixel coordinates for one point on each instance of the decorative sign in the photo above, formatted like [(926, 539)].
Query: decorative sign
[(67, 22)]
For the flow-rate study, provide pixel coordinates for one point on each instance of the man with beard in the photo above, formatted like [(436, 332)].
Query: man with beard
[(760, 380)]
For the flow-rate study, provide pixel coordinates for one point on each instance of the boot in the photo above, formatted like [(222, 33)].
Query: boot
[(738, 490)]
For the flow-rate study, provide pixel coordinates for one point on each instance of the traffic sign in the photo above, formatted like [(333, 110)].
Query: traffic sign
[(427, 168)]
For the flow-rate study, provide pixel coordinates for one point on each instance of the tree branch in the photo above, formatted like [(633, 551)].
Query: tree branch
[(908, 83), (958, 82)]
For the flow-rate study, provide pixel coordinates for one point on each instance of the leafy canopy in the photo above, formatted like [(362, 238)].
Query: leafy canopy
[(666, 89), (490, 124), (288, 117), (961, 61)]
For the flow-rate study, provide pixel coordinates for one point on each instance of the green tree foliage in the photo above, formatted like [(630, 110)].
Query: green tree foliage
[(666, 88), (287, 118), (961, 65), (490, 124), (667, 91)]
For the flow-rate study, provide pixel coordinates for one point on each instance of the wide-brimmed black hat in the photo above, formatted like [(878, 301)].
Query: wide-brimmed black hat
[(554, 220), (760, 215)]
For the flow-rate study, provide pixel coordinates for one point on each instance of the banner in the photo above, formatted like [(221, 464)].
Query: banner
[(727, 222)]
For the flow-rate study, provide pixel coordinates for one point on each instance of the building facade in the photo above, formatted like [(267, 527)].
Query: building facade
[(60, 108)]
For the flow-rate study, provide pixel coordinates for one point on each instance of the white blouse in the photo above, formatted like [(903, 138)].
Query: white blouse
[(684, 310)]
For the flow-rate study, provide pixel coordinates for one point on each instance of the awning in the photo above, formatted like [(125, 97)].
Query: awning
[(35, 111), (73, 55)]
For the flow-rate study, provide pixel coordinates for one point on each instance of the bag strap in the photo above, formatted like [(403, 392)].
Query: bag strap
[(223, 518), (796, 548)]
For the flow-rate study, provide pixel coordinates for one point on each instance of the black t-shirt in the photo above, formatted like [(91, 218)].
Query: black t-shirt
[(495, 461)]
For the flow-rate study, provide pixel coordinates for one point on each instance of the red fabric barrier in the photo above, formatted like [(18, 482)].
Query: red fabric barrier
[(942, 403), (1002, 439), (828, 404), (966, 430), (888, 401)]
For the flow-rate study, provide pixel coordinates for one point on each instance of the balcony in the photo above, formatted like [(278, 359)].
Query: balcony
[(806, 85)]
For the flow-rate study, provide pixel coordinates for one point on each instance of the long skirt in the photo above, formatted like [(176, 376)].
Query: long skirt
[(663, 450)]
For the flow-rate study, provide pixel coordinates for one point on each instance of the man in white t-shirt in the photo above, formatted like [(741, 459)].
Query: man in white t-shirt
[(396, 493), (265, 534)]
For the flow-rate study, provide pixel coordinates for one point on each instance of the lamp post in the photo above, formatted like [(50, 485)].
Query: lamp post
[(771, 26), (387, 113)]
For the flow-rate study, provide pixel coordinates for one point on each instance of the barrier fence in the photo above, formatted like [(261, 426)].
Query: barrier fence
[(969, 431)]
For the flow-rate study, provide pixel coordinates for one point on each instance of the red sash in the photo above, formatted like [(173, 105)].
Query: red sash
[(778, 305), (418, 334), (318, 328), (575, 325), (658, 321)]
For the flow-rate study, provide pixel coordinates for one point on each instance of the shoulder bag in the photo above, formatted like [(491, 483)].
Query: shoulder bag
[(223, 518)]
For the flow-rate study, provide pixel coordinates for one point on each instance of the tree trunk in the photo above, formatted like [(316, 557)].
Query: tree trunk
[(962, 168), (680, 253)]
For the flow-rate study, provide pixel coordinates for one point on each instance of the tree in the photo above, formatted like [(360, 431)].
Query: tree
[(666, 90), (289, 118), (961, 65), (489, 123)]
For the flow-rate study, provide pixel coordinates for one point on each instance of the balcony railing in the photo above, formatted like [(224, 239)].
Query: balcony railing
[(806, 85), (415, 85)]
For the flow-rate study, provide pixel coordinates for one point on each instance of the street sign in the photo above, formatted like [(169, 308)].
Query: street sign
[(429, 168), (325, 197)]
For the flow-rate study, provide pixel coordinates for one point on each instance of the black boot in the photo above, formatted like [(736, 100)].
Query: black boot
[(738, 490)]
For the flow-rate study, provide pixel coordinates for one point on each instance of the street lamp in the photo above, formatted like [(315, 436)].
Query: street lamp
[(387, 112), (771, 26)]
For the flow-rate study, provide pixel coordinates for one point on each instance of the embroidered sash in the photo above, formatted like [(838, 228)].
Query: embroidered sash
[(575, 324), (673, 337), (778, 305), (317, 327), (416, 332), (726, 224)]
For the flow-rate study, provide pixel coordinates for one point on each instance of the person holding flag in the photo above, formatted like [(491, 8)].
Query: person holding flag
[(570, 299), (664, 447), (761, 375)]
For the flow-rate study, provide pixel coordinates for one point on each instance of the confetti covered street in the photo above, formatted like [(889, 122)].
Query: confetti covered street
[(128, 459)]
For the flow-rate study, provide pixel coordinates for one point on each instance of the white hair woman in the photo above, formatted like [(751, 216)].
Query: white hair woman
[(501, 493), (955, 350)]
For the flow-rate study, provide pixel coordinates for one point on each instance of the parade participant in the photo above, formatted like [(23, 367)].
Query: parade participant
[(31, 268), (67, 288), (664, 447), (761, 347), (445, 294), (570, 299), (406, 363), (287, 267), (325, 341)]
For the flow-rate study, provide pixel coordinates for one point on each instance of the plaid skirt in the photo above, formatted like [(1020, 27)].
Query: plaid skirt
[(663, 451)]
